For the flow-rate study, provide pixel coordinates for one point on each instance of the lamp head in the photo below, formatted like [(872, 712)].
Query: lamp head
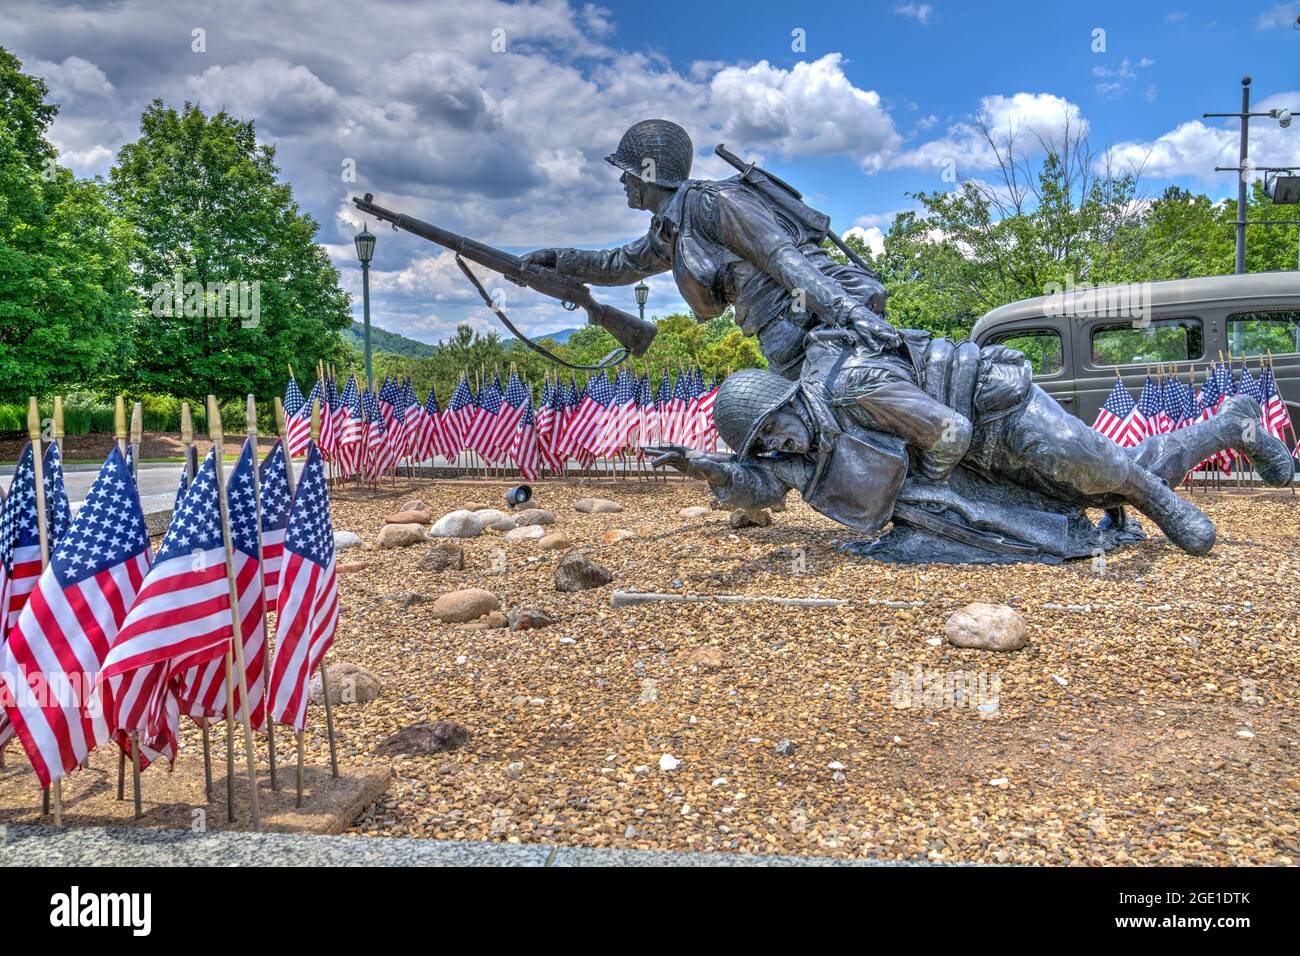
[(519, 495)]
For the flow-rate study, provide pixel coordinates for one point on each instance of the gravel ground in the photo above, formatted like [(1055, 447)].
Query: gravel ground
[(1150, 719)]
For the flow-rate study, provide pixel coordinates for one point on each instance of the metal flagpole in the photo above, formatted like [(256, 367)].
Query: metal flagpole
[(261, 574), (237, 637), (55, 790)]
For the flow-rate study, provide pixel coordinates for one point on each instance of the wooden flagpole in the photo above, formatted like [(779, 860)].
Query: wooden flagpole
[(282, 425), (120, 432), (261, 573), (187, 449), (324, 675), (54, 792), (236, 624)]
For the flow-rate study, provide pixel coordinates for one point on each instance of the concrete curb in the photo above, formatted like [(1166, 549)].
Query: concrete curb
[(102, 846)]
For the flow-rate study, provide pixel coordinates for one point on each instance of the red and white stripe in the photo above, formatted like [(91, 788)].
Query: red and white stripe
[(308, 615)]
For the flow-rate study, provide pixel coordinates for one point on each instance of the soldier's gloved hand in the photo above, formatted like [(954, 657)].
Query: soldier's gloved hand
[(697, 464), (875, 331), (545, 258)]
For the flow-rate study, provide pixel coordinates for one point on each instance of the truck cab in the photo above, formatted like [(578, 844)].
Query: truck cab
[(1079, 339)]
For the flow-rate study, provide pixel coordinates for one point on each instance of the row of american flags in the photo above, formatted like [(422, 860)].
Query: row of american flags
[(368, 433), (1167, 403), (110, 641)]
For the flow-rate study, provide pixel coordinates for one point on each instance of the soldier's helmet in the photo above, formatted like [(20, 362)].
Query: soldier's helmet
[(655, 151), (745, 401)]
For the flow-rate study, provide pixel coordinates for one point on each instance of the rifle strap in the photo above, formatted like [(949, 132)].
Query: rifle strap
[(613, 359)]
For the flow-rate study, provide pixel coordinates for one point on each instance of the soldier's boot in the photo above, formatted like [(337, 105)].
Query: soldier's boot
[(938, 461), (1182, 522), (1235, 427)]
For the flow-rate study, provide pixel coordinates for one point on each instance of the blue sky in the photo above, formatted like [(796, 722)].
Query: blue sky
[(491, 118)]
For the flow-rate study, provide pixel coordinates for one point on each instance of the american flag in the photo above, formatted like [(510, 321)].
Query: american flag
[(293, 400), (524, 449), (392, 405), (352, 430), (479, 437), (1227, 389), (549, 421), (273, 484), (432, 439), (509, 414), (457, 418), (1248, 385), (613, 435), (180, 619), (645, 415), (1160, 423), (381, 452), (20, 541), (1141, 422), (202, 690), (1172, 404), (413, 424), (328, 436), (1113, 415), (338, 417), (590, 419), (309, 606), (578, 398), (663, 409), (570, 400), (677, 427), (299, 424), (65, 630), (708, 437), (1277, 418)]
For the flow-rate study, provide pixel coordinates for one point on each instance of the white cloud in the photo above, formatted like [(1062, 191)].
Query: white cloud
[(1194, 148), (1026, 117), (810, 109), (918, 11), (1282, 15), (871, 236), (73, 79)]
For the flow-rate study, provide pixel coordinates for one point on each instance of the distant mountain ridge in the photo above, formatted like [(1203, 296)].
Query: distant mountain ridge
[(381, 340)]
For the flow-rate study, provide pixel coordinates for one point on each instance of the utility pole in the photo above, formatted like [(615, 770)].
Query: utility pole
[(1244, 167)]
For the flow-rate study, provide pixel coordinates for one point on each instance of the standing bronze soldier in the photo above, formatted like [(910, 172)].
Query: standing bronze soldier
[(730, 244)]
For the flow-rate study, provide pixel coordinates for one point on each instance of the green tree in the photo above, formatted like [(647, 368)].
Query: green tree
[(233, 286), (64, 299)]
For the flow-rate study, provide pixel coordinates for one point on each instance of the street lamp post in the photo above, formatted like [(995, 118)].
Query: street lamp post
[(642, 292), (1244, 167), (365, 252)]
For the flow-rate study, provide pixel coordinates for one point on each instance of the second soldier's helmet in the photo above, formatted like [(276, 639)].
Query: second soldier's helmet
[(745, 401), (655, 151)]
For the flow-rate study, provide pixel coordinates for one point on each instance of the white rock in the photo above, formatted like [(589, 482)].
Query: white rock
[(669, 763), (496, 520), (346, 539), (457, 524), (720, 782), (1245, 733), (835, 765), (999, 782), (530, 532), (1060, 680), (989, 627)]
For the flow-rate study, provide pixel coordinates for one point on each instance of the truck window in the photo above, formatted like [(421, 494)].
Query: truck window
[(1161, 340), (1041, 346), (1258, 333)]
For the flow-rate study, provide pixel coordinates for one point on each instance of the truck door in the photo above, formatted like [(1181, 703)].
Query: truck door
[(1049, 351)]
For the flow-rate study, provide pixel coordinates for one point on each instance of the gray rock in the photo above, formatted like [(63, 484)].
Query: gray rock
[(456, 607), (400, 536), (495, 519), (531, 532), (597, 506), (786, 748), (415, 504), (759, 518), (349, 684), (575, 572), (346, 539), (424, 738), (443, 557), (988, 627), (530, 516), (695, 511), (555, 541), (528, 618), (457, 524)]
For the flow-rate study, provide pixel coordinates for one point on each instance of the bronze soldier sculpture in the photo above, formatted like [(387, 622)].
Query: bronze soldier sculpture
[(759, 251), (1022, 489)]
